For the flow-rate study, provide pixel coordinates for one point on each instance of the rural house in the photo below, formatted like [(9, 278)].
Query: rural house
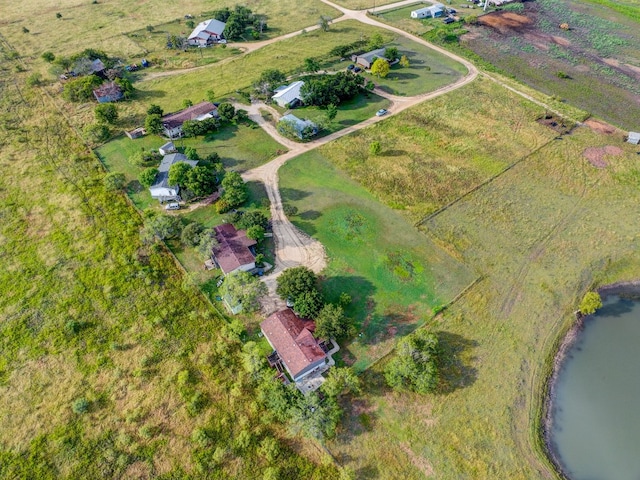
[(434, 11), (288, 95), (161, 190), (207, 32), (233, 251), (172, 123), (108, 92), (367, 59), (292, 339), (303, 128)]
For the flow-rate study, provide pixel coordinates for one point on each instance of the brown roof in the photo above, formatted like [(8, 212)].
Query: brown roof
[(293, 339), (108, 89), (176, 119), (232, 250)]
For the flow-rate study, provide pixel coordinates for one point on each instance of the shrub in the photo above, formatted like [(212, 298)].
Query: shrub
[(114, 181), (190, 235), (48, 57), (106, 113), (80, 406), (97, 132), (148, 177)]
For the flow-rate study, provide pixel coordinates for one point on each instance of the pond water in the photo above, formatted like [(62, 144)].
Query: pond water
[(596, 412)]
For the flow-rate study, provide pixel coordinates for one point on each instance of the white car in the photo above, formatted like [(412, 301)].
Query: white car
[(172, 206), (381, 112)]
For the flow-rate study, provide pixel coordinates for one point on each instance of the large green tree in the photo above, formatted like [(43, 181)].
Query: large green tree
[(331, 322), (106, 113), (200, 180), (380, 68), (245, 289), (294, 282), (114, 181), (270, 79), (590, 303), (415, 365), (160, 227), (341, 381), (148, 176), (153, 123), (178, 173), (190, 235), (235, 190)]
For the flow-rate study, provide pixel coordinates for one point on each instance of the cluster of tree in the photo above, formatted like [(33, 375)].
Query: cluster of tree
[(345, 50), (145, 158), (81, 89), (106, 113), (245, 289), (324, 90), (238, 20), (153, 120), (253, 221), (235, 192), (194, 235), (415, 365), (158, 227), (298, 286)]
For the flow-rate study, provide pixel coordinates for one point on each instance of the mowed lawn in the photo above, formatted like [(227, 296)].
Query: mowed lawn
[(541, 235), (438, 150), (395, 275), (105, 25), (241, 72), (241, 147)]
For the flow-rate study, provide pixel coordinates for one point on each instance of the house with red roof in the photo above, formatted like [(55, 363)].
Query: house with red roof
[(292, 338), (172, 123), (233, 251)]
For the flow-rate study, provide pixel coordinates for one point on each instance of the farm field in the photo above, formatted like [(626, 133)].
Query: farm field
[(110, 359), (540, 235), (240, 73), (598, 53), (106, 25), (395, 275), (437, 151)]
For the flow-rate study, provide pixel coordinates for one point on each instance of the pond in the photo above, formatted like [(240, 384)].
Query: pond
[(595, 431)]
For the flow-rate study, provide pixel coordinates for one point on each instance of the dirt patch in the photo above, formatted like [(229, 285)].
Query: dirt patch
[(596, 155), (505, 21), (600, 127), (420, 463)]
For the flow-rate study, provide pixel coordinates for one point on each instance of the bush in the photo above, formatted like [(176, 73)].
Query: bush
[(114, 181), (34, 80), (80, 406), (143, 158), (190, 235), (148, 177), (48, 57), (106, 113), (97, 132), (81, 89)]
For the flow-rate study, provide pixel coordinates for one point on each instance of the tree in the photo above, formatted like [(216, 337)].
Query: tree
[(186, 103), (308, 304), (252, 358), (241, 115), (190, 235), (244, 288), (155, 110), (190, 24), (376, 41), (211, 96), (250, 219), (324, 22), (380, 68), (143, 158), (48, 57), (270, 79), (323, 90), (315, 418), (234, 28), (150, 28), (311, 65), (114, 181), (415, 366), (160, 227), (332, 111), (295, 281), (58, 15), (226, 111), (106, 113), (97, 132), (391, 53), (341, 381), (153, 123), (125, 85), (148, 177), (256, 232), (404, 61), (375, 148), (81, 89), (178, 173), (235, 190), (191, 153), (331, 322), (207, 242), (25, 30), (590, 303), (200, 180), (34, 79)]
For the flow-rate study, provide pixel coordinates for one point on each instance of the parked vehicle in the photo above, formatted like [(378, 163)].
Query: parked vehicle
[(172, 206), (381, 112), (357, 70), (448, 20), (351, 67)]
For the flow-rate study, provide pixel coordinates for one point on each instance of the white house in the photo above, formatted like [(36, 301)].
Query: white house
[(172, 123), (434, 11), (161, 190), (207, 32), (287, 94)]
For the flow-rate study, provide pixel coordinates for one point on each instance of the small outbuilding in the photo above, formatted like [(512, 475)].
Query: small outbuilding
[(303, 128), (367, 59), (634, 138), (135, 133), (287, 95), (434, 11), (167, 148)]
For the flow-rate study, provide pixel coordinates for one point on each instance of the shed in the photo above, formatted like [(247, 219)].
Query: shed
[(366, 59), (288, 94), (167, 148), (434, 11), (634, 138), (303, 128), (108, 92)]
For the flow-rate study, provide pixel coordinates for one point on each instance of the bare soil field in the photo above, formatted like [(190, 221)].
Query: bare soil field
[(597, 53)]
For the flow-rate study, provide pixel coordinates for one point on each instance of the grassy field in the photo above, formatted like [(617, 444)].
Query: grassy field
[(598, 53), (395, 275), (441, 149), (111, 359), (540, 235), (241, 72), (107, 25)]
